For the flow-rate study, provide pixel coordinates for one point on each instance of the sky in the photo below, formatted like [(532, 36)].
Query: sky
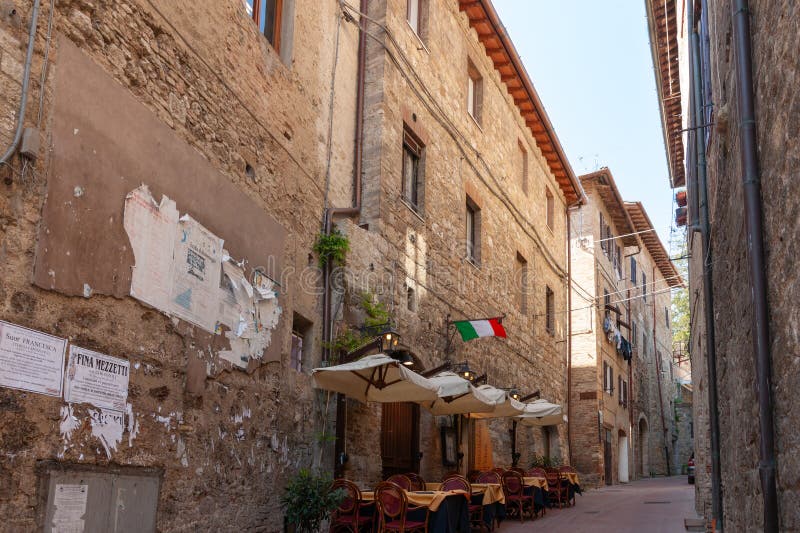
[(590, 62)]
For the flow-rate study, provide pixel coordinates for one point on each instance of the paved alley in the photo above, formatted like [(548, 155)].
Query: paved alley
[(654, 505)]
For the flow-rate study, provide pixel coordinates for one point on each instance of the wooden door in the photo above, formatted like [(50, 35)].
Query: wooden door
[(607, 454), (400, 438)]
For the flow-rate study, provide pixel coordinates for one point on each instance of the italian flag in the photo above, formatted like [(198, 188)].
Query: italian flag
[(473, 329)]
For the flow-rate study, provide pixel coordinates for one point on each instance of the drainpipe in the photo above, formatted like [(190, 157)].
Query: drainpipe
[(340, 453), (658, 378), (708, 289), (569, 335), (751, 188), (26, 76)]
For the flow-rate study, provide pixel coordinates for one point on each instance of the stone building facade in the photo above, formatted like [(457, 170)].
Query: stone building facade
[(619, 397), (192, 100), (246, 122), (713, 171), (481, 233)]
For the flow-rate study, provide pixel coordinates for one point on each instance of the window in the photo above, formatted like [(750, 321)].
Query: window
[(267, 15), (523, 170), (301, 342), (550, 207), (608, 379), (416, 15), (602, 233), (411, 299), (521, 275), (412, 170), (644, 286), (634, 333), (606, 302), (666, 316), (473, 226), (618, 263), (624, 393), (550, 311), (474, 92), (620, 389), (633, 270)]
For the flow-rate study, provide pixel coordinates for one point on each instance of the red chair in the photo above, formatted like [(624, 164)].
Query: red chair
[(475, 510), (556, 490), (499, 471), (401, 481), (517, 502), (567, 484), (488, 477), (417, 483), (347, 517), (392, 510)]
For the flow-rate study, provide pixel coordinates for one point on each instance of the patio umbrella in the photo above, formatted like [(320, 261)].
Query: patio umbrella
[(541, 413), (375, 378), (504, 405), (457, 396)]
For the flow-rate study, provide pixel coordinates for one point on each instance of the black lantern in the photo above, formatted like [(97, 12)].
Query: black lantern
[(515, 394), (463, 370), (389, 340)]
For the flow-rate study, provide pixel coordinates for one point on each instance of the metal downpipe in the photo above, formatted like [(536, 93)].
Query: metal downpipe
[(23, 100), (708, 290), (751, 188)]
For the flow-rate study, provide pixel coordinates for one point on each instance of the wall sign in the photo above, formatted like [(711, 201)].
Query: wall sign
[(31, 360), (96, 378)]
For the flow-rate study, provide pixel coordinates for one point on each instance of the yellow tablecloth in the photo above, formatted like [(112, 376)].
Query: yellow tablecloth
[(572, 477), (492, 492), (535, 482), (431, 499)]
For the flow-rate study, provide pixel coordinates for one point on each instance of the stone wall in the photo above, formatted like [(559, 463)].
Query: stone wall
[(203, 70), (777, 104), (420, 81)]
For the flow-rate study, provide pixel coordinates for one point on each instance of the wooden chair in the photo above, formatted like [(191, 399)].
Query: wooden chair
[(517, 502), (499, 471), (417, 483), (564, 481), (393, 509), (401, 481), (475, 510), (556, 491), (347, 517), (488, 477)]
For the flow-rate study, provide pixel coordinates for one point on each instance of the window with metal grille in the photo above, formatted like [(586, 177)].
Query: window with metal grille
[(550, 311)]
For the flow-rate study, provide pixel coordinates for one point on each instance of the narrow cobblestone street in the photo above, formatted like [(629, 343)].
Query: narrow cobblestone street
[(657, 505)]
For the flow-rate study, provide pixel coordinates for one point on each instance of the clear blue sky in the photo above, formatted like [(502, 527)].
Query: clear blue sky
[(591, 65)]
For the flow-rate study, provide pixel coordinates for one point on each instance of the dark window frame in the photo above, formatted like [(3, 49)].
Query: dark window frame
[(276, 8), (473, 231), (550, 310), (414, 150)]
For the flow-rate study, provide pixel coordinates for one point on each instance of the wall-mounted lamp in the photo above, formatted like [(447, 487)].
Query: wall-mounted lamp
[(463, 370), (515, 394)]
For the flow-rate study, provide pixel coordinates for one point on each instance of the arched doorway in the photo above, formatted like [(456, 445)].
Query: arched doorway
[(643, 444), (623, 457)]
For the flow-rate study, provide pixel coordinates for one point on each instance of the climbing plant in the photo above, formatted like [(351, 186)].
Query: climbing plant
[(331, 248)]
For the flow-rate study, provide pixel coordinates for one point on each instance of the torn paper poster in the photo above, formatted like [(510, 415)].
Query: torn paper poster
[(31, 360), (96, 378), (107, 426), (196, 274), (69, 423), (195, 279), (177, 260), (69, 507), (151, 229)]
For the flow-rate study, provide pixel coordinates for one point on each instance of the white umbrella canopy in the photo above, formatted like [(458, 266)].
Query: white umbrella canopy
[(541, 413), (375, 378), (457, 396), (504, 405)]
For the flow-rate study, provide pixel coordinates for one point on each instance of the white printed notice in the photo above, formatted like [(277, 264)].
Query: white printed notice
[(196, 274), (31, 360), (96, 378), (69, 506)]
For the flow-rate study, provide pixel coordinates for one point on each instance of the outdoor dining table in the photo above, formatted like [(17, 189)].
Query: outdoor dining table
[(449, 510), (491, 496)]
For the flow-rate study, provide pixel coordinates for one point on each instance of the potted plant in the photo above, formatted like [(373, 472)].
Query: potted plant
[(308, 500)]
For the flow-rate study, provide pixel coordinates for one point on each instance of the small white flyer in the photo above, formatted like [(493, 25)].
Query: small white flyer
[(96, 378), (31, 360), (69, 506)]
